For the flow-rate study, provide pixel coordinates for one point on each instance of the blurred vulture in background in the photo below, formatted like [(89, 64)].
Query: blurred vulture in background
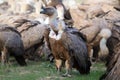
[(113, 61), (32, 33), (67, 44), (11, 44)]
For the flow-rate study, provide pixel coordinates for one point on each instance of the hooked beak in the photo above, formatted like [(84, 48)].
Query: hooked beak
[(42, 11), (49, 11)]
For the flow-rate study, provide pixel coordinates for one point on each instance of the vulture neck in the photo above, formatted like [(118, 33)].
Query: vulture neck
[(55, 24), (54, 36), (51, 20)]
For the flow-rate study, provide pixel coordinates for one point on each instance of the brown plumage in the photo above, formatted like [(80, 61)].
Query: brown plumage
[(67, 45)]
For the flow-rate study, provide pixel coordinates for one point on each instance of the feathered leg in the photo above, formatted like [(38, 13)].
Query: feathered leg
[(58, 63), (5, 56), (68, 68)]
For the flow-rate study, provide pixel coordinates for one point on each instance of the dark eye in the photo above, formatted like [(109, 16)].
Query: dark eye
[(50, 10)]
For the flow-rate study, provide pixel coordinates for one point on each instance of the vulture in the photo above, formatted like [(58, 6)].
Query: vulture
[(113, 61), (67, 44), (11, 44)]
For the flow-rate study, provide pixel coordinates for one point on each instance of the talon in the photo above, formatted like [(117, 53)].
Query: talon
[(66, 75), (69, 75)]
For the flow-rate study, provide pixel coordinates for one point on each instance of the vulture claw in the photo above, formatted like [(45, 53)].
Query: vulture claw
[(66, 75)]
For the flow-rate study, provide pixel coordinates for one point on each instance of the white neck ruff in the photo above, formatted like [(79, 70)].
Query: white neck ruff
[(54, 36)]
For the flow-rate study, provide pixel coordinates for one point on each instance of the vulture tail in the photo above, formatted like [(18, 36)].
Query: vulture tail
[(80, 54), (81, 60), (83, 68), (105, 34), (21, 60)]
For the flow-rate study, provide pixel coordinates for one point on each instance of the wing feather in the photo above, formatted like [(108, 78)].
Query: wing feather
[(78, 49)]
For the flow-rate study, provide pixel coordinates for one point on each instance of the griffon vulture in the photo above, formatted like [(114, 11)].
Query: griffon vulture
[(11, 44), (67, 44)]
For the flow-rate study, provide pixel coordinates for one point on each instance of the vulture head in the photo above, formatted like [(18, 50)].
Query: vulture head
[(49, 11), (52, 20)]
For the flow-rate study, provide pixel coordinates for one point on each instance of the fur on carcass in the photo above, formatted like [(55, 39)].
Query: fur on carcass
[(66, 44), (11, 44)]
